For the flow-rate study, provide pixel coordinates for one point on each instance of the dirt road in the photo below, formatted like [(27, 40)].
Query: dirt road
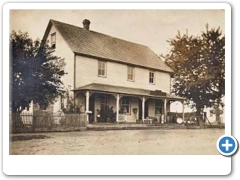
[(128, 142)]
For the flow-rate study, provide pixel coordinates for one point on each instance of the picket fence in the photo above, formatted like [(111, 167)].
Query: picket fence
[(46, 122)]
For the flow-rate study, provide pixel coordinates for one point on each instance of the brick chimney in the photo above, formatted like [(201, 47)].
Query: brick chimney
[(86, 24)]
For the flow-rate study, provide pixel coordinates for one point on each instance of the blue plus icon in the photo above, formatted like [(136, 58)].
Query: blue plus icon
[(227, 145)]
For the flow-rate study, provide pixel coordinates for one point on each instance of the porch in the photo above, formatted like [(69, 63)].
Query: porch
[(115, 104)]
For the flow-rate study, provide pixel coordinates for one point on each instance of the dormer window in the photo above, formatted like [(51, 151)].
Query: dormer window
[(53, 40)]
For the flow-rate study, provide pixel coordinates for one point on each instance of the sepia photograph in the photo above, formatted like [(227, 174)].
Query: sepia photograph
[(116, 82)]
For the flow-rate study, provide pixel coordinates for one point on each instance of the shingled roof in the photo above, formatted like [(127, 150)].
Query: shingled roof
[(94, 44)]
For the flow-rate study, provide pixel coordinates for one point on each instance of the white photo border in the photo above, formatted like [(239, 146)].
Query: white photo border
[(133, 164)]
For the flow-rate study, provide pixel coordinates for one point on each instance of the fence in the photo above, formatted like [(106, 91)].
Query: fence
[(46, 122)]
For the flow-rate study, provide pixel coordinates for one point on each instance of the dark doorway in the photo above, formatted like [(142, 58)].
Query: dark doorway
[(140, 109), (146, 109), (103, 108), (91, 108)]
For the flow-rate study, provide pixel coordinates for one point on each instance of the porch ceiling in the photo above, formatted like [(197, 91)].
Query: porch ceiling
[(127, 91)]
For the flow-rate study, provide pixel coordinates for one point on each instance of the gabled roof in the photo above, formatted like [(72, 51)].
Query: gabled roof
[(94, 44), (127, 91)]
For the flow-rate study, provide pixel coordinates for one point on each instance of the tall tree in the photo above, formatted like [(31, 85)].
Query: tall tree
[(35, 73), (199, 66)]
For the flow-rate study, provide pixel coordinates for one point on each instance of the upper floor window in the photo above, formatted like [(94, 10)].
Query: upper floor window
[(102, 66), (130, 73), (53, 40), (151, 77)]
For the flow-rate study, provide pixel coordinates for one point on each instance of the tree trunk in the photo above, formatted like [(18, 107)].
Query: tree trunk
[(218, 116), (199, 116), (218, 111)]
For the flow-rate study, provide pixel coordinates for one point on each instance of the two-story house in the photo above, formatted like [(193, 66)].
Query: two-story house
[(110, 74)]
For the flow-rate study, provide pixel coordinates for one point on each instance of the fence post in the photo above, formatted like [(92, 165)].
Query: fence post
[(34, 123)]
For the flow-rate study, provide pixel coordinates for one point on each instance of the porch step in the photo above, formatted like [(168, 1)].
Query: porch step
[(126, 126)]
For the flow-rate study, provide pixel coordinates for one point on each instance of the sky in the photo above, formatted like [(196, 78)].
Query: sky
[(148, 27)]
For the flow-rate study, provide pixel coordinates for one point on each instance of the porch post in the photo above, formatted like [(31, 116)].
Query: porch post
[(117, 108), (143, 107), (183, 110), (165, 110), (74, 102), (87, 104)]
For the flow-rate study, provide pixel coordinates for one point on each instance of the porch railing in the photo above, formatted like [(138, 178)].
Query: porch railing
[(122, 118)]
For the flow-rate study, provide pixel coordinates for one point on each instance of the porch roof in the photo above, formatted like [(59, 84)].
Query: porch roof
[(127, 91)]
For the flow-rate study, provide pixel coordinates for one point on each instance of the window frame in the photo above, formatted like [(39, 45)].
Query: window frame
[(160, 105), (103, 102), (105, 69), (62, 63), (131, 74), (53, 43), (153, 78), (125, 104)]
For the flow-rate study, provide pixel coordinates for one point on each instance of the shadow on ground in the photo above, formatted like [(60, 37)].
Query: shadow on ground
[(28, 137)]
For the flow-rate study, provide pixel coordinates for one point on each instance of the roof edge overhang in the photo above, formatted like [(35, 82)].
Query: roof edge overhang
[(44, 39)]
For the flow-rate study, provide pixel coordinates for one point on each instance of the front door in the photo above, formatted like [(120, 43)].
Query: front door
[(103, 108)]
